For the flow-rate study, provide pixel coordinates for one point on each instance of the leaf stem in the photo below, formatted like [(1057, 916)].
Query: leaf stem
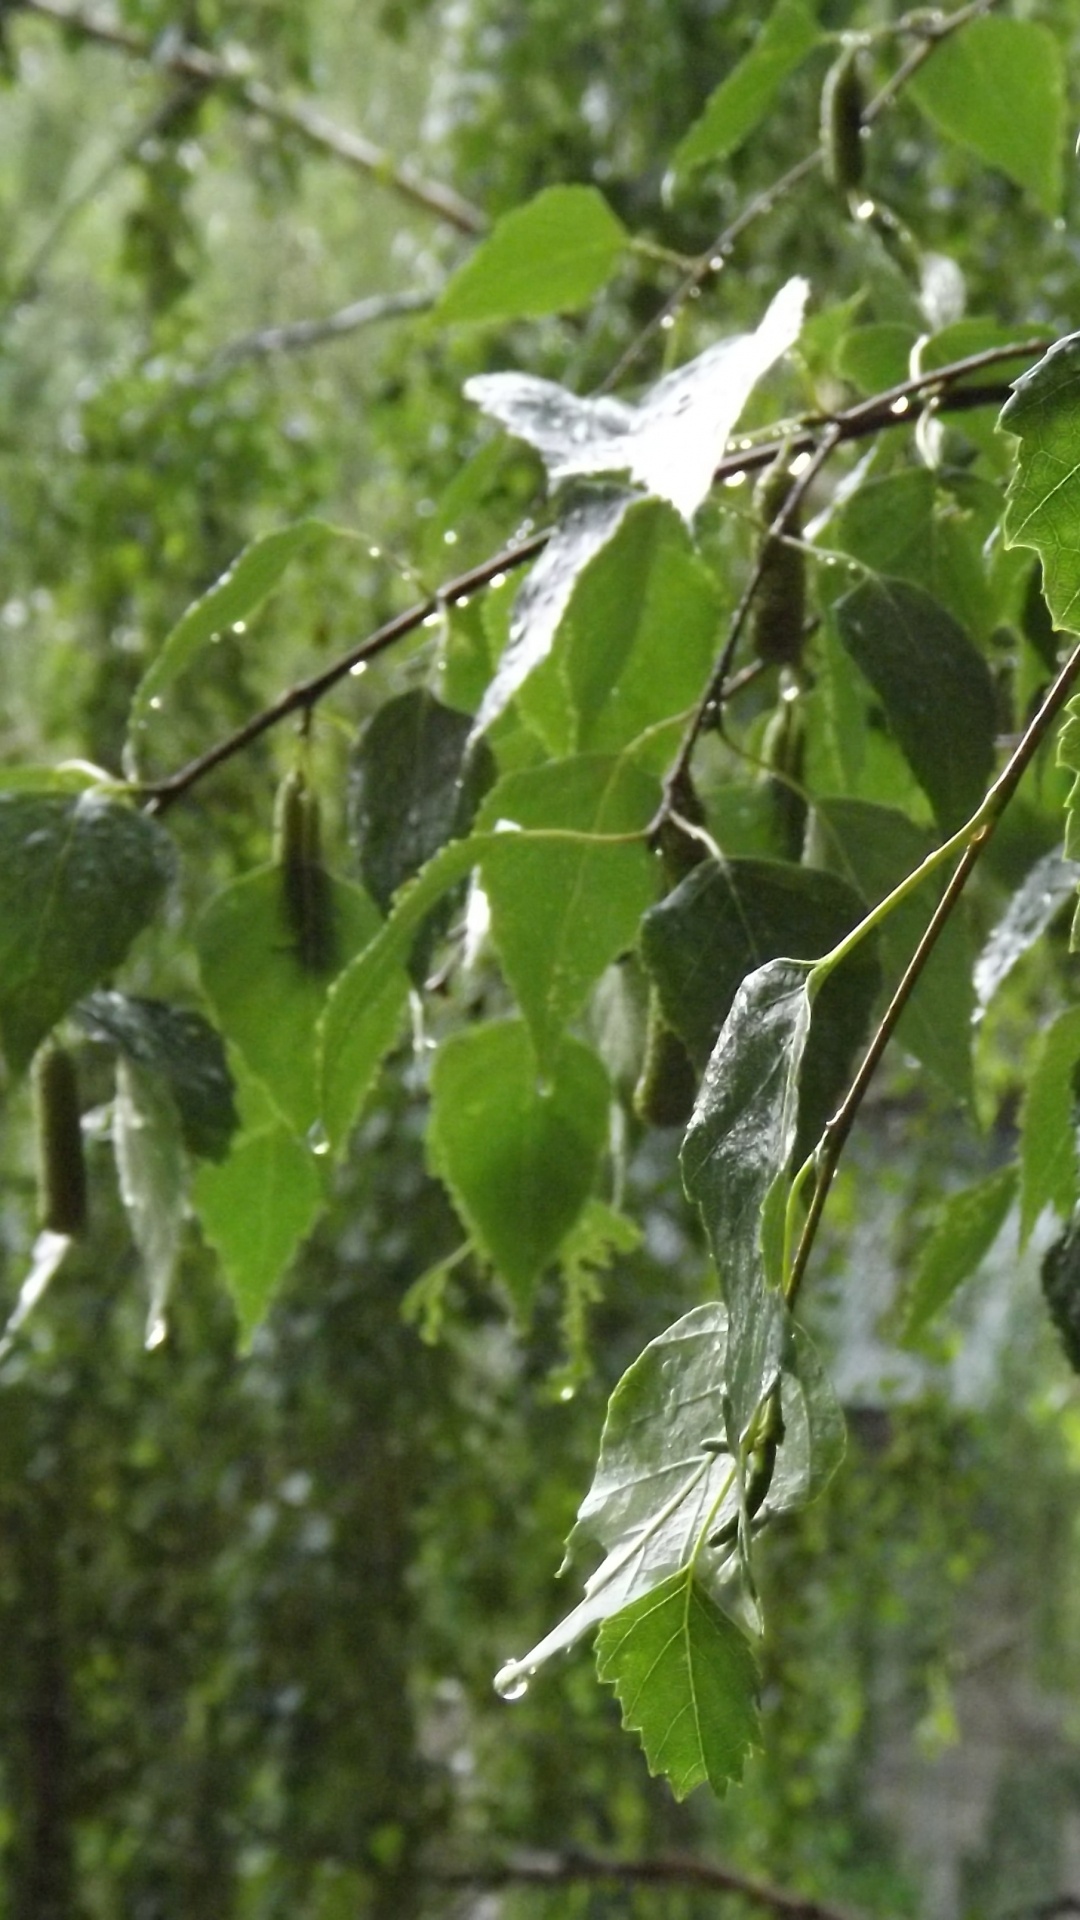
[(976, 835)]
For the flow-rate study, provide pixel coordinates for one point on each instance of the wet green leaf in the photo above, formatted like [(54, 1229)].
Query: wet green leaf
[(80, 876), (687, 1681), (265, 1001), (517, 1151), (999, 88), (255, 1208), (787, 33), (551, 255)]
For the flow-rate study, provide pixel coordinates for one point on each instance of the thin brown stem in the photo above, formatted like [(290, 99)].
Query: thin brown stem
[(833, 1140), (254, 96), (570, 1869)]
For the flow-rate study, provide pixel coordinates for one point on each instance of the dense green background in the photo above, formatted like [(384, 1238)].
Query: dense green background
[(255, 1581)]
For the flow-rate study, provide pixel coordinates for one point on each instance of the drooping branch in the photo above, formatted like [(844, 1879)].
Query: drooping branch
[(892, 408), (574, 1869), (930, 30), (979, 831), (195, 64)]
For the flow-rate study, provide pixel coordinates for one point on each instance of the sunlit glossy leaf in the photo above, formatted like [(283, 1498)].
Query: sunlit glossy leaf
[(673, 439), (580, 534), (80, 876), (787, 33), (551, 255), (687, 1681), (517, 1151), (998, 87)]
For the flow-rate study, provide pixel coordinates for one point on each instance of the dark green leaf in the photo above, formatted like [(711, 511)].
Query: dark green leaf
[(551, 255), (965, 1229), (788, 32), (517, 1152), (904, 526), (1048, 1163), (935, 687), (999, 88), (563, 906), (686, 1680), (726, 919), (875, 848), (1043, 505), (181, 1046), (266, 1002), (80, 876), (255, 1209), (412, 787)]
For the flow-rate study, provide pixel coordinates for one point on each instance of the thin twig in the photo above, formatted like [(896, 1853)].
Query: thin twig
[(713, 696), (865, 418), (831, 1145), (195, 64), (162, 794), (716, 256), (27, 277), (298, 336), (569, 1869)]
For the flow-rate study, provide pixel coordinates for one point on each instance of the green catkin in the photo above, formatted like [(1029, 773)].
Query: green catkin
[(842, 102), (784, 753), (779, 610), (306, 895), (61, 1164), (667, 1085)]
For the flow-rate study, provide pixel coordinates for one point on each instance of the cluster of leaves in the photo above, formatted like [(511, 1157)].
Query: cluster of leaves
[(693, 781)]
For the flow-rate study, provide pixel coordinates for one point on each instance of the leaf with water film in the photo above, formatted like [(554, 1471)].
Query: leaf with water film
[(673, 439)]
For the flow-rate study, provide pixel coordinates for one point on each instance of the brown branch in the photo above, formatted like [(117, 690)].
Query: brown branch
[(889, 409), (206, 69), (572, 1868), (162, 794), (712, 698), (833, 1140)]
